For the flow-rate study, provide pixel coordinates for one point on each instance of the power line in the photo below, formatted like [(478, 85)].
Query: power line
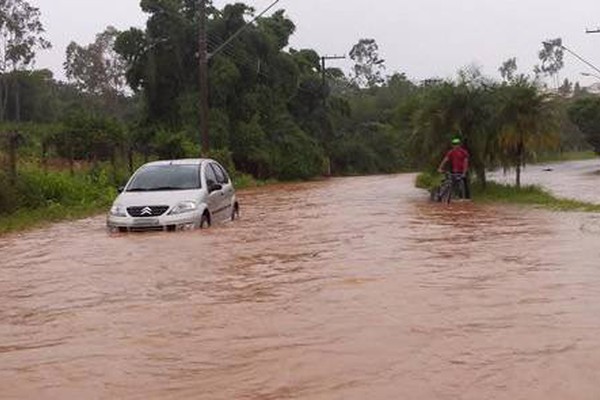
[(236, 34), (324, 59), (589, 64), (249, 61)]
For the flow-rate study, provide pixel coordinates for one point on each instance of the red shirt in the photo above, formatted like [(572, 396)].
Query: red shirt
[(457, 157)]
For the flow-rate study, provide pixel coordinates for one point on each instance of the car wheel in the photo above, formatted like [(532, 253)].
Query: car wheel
[(235, 212), (204, 221)]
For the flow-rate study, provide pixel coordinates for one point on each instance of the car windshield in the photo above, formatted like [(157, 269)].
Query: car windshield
[(166, 177)]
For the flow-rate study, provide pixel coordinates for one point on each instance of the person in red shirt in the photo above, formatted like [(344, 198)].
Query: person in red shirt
[(458, 157)]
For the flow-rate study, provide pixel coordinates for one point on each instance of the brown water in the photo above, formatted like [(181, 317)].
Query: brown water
[(343, 289)]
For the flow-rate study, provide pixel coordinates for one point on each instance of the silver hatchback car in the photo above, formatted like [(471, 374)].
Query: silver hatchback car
[(174, 195)]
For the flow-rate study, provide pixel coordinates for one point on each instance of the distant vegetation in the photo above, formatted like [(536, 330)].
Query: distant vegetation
[(275, 112)]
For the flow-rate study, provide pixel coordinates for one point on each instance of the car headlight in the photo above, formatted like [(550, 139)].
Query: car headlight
[(118, 210), (184, 207)]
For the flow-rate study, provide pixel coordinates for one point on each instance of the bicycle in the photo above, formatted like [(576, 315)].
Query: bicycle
[(452, 186)]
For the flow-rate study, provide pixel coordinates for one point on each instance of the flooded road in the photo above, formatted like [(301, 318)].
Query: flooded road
[(573, 180), (353, 288)]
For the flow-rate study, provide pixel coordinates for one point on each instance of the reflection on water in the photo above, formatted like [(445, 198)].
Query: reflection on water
[(342, 289)]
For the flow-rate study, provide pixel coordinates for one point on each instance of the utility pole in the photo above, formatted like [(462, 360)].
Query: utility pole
[(203, 58), (203, 76), (323, 72), (324, 59)]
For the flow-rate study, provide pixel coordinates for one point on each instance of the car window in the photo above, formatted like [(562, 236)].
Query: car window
[(224, 173), (210, 176), (220, 174), (165, 177)]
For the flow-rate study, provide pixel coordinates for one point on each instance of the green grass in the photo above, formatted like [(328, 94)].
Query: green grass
[(567, 156), (23, 220), (244, 181), (40, 198), (529, 195)]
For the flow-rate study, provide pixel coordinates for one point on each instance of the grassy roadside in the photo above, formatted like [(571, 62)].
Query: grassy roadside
[(501, 193), (62, 197), (26, 219), (529, 195), (566, 156)]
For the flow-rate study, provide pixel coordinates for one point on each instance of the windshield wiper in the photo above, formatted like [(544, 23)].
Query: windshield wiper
[(160, 189), (164, 188)]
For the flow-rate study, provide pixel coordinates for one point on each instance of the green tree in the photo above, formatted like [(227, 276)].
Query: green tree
[(508, 69), (97, 68), (453, 109), (585, 113), (552, 59), (21, 35), (368, 66), (527, 122)]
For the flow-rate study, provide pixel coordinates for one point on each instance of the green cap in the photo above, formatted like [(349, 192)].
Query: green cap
[(456, 141)]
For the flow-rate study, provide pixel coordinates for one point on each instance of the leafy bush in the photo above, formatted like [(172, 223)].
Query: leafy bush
[(428, 180), (297, 156), (36, 189), (8, 195)]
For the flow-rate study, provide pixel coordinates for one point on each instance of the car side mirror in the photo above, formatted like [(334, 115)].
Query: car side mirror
[(214, 187), (121, 189)]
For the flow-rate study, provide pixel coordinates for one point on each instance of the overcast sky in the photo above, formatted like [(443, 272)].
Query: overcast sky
[(423, 38)]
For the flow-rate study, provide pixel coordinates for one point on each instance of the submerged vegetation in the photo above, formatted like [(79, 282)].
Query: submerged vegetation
[(276, 112), (503, 193), (530, 195)]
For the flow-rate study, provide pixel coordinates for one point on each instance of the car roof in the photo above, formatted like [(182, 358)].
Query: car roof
[(186, 161)]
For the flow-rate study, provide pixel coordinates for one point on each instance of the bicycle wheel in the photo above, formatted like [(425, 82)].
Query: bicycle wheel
[(446, 192)]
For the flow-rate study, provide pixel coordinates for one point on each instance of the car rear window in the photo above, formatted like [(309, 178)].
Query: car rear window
[(166, 177)]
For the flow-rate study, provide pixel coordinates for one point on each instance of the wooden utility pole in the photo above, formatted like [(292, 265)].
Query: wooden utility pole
[(324, 70), (203, 58), (324, 59), (203, 76)]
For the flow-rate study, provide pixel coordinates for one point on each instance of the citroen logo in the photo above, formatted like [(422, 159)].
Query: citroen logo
[(146, 211)]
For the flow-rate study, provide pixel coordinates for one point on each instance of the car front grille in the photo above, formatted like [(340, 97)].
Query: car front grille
[(147, 211)]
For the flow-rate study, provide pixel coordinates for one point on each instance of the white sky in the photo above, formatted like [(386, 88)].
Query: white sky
[(423, 38)]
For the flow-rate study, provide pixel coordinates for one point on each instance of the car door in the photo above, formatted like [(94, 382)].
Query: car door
[(215, 196), (228, 192)]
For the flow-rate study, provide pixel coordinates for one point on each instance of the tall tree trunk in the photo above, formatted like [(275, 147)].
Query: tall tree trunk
[(12, 156), (520, 162), (3, 98), (17, 100), (44, 155), (71, 159), (113, 165), (481, 176), (130, 159)]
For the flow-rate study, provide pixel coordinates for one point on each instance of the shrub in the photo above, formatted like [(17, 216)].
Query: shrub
[(8, 195), (428, 180)]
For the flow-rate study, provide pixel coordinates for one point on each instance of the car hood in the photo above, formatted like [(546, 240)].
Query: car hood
[(166, 198)]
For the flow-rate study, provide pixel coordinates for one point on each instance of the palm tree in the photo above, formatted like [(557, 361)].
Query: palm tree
[(526, 121), (451, 109)]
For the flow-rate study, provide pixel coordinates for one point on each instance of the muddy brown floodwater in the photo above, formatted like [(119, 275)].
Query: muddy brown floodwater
[(353, 288)]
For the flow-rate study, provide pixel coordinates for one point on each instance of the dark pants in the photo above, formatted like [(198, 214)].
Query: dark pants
[(465, 181)]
